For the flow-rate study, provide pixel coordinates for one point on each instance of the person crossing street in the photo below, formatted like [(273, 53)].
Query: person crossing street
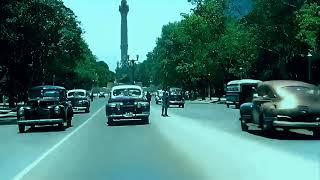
[(165, 103)]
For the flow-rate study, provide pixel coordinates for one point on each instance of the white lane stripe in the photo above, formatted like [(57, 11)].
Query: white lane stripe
[(44, 155)]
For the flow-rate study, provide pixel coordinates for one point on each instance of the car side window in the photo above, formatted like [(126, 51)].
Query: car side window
[(266, 92)]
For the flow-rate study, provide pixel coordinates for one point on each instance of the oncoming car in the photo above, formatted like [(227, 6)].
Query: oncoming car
[(47, 105), (283, 104), (127, 102), (79, 99)]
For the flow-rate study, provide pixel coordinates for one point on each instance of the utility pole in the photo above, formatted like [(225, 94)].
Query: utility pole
[(132, 62)]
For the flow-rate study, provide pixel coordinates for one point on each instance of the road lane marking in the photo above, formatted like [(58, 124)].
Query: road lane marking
[(26, 170)]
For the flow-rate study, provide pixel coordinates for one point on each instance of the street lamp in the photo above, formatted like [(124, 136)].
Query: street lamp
[(309, 67), (241, 72), (209, 75)]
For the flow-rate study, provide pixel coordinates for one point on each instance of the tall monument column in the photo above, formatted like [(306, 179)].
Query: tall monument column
[(124, 9)]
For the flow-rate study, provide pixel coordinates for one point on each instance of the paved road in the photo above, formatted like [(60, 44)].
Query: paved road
[(300, 143), (160, 150), (91, 150)]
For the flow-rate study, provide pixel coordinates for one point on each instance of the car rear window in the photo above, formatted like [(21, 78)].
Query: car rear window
[(127, 92)]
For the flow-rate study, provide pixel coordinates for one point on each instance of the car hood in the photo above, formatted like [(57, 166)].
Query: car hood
[(310, 102)]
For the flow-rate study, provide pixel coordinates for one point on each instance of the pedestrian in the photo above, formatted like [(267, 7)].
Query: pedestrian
[(165, 103), (148, 96), (92, 96)]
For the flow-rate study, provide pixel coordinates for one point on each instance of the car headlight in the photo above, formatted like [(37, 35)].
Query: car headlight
[(57, 110), (21, 111)]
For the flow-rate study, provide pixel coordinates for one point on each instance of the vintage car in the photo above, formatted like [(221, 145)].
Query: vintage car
[(158, 96), (127, 102), (240, 91), (284, 104), (176, 97), (79, 99), (46, 105)]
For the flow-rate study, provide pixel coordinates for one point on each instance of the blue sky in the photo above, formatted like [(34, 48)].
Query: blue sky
[(100, 19)]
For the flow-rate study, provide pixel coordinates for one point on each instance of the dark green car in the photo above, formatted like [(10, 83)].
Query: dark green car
[(47, 105)]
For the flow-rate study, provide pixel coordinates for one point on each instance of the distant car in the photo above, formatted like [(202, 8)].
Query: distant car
[(285, 104), (102, 95), (240, 91), (127, 102), (47, 105), (79, 99), (176, 97), (158, 96)]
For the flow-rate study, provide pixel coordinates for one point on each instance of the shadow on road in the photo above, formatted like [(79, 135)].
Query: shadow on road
[(41, 129), (10, 121), (284, 135), (128, 123)]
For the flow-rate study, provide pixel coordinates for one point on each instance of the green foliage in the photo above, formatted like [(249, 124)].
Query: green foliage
[(210, 45), (41, 39), (308, 19)]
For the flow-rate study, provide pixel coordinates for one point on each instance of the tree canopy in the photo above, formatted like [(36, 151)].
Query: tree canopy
[(41, 42), (221, 40)]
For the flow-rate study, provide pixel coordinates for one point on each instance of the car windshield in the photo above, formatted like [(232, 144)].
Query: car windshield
[(47, 93), (76, 93), (298, 90), (132, 92)]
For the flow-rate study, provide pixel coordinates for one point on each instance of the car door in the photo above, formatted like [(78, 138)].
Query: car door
[(262, 101)]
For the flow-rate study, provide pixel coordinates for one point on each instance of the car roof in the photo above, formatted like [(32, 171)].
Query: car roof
[(47, 87), (77, 90), (283, 83), (126, 87), (244, 81)]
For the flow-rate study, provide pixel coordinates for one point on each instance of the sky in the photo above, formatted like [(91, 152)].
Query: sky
[(101, 21)]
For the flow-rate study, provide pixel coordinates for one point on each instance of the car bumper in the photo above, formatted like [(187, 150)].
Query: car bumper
[(40, 121), (134, 116), (176, 102), (284, 121), (79, 108)]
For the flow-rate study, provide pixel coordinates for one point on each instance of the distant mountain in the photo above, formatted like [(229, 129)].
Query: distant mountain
[(239, 8)]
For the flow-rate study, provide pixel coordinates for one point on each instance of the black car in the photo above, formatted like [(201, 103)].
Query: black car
[(102, 95), (176, 97), (127, 102), (79, 99), (47, 105)]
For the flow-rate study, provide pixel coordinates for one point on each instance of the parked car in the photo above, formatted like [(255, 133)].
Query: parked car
[(80, 100), (176, 97), (285, 104), (158, 96), (47, 105), (102, 95), (240, 91), (127, 102)]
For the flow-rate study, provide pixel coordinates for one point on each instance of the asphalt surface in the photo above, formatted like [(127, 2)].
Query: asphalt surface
[(92, 150), (298, 142)]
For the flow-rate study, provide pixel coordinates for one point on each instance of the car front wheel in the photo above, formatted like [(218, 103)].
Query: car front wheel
[(316, 133), (110, 122), (146, 120), (244, 126), (22, 128)]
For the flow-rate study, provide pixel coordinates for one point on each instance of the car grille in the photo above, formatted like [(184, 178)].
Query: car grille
[(45, 104)]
